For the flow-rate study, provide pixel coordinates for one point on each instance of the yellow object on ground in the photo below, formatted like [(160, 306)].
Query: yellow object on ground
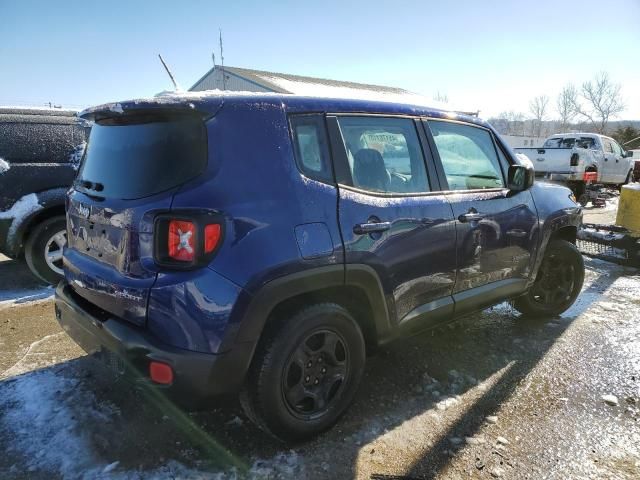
[(629, 208)]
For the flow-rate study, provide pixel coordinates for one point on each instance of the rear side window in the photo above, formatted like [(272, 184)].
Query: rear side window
[(138, 156), (384, 154), (311, 148), (468, 156), (36, 142)]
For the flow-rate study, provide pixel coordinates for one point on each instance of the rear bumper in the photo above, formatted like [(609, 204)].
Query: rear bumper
[(197, 376)]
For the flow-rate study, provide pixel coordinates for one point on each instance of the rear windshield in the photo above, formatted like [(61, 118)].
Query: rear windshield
[(135, 157), (570, 142)]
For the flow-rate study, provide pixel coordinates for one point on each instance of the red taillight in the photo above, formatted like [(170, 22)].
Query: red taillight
[(161, 373), (590, 176), (187, 239), (182, 240), (211, 237)]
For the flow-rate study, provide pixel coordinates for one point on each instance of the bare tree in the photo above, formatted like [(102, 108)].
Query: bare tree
[(538, 108), (514, 122), (566, 105), (602, 100)]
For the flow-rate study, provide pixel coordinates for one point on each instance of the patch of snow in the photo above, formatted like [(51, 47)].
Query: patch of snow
[(4, 166), (43, 429), (310, 89), (20, 210), (523, 160), (77, 154), (22, 207), (235, 421), (111, 467), (302, 89), (49, 417), (610, 400), (502, 441), (282, 465)]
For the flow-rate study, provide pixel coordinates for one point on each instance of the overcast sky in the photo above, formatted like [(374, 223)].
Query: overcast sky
[(492, 56)]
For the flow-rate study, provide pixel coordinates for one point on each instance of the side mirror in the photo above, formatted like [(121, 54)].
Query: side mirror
[(628, 154), (519, 178)]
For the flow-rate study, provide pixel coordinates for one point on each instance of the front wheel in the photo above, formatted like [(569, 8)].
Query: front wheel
[(43, 249), (305, 372), (557, 284)]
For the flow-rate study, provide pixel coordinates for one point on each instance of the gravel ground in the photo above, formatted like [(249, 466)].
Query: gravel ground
[(495, 395)]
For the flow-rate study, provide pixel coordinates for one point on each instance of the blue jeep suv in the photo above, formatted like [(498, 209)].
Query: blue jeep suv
[(265, 244)]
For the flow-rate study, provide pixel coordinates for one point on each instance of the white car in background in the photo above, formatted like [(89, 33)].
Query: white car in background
[(569, 156)]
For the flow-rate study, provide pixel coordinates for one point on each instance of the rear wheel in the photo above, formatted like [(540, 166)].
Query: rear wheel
[(305, 373), (558, 282), (43, 250)]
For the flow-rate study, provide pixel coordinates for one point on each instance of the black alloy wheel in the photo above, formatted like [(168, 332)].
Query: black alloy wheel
[(315, 374)]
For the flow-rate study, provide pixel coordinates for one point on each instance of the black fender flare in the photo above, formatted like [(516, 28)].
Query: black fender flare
[(47, 199), (567, 217), (273, 293)]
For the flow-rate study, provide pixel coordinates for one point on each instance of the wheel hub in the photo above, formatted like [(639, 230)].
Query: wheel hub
[(53, 251), (315, 373)]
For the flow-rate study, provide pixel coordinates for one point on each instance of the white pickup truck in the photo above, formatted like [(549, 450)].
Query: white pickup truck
[(568, 156)]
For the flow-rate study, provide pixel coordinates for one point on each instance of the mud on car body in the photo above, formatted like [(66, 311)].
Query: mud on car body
[(40, 151), (264, 244)]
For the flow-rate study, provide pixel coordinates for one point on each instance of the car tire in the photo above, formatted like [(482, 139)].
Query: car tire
[(48, 237), (305, 372), (583, 200), (558, 282)]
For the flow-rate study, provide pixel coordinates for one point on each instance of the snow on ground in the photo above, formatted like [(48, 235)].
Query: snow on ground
[(45, 408), (4, 165)]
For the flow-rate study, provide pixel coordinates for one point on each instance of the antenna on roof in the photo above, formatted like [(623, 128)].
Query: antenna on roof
[(213, 57), (224, 86), (173, 80)]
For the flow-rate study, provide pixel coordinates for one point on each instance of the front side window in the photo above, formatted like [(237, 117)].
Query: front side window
[(468, 156), (384, 154), (616, 148), (310, 146)]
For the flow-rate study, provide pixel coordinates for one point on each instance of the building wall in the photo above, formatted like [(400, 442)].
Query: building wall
[(213, 81)]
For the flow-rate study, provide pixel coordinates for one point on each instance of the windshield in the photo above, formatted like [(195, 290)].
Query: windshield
[(140, 156)]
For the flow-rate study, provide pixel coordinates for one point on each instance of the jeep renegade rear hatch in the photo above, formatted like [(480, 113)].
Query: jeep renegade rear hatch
[(133, 166)]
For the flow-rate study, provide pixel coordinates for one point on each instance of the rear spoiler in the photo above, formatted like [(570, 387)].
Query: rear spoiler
[(205, 107)]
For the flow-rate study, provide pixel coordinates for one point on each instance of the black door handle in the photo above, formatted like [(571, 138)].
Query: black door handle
[(371, 227), (471, 217)]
